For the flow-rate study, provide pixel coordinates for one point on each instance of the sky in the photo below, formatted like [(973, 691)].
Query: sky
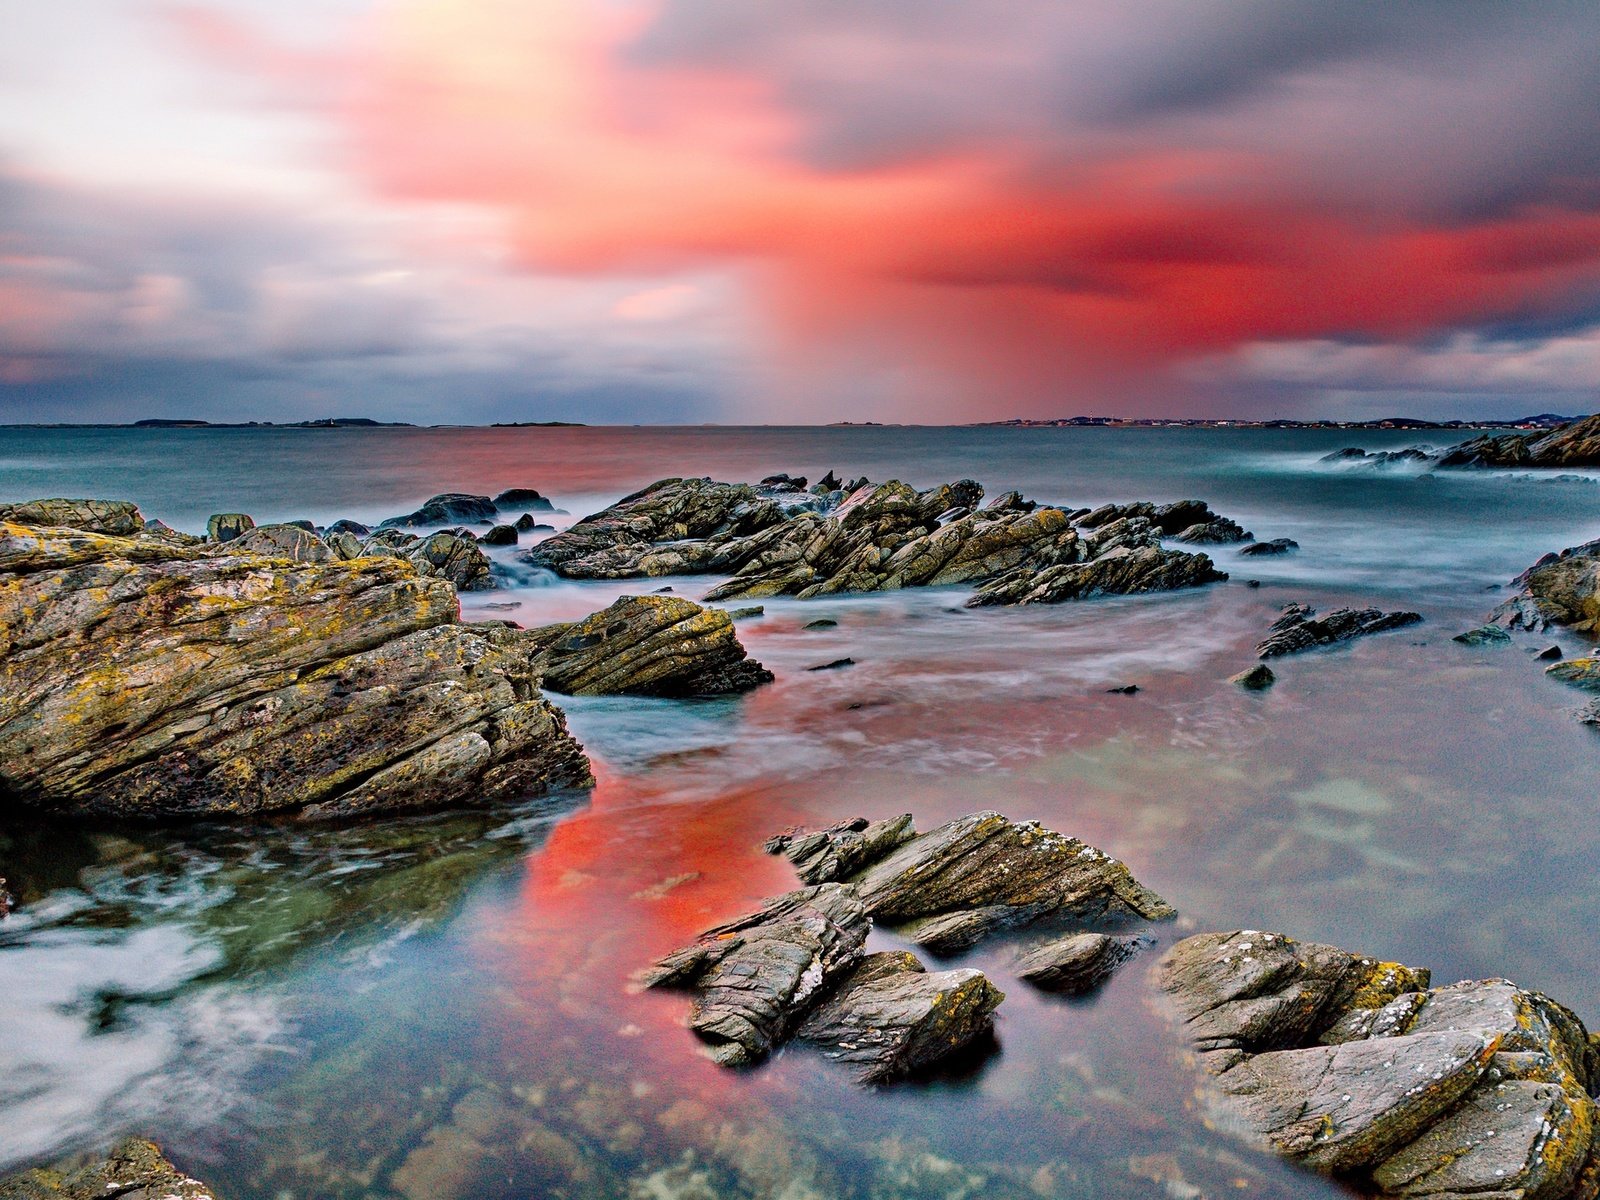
[(745, 211)]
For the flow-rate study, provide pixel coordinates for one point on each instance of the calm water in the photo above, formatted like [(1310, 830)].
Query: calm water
[(440, 1007)]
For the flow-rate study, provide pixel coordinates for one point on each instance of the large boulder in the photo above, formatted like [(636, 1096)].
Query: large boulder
[(133, 1170), (447, 508), (139, 678), (648, 646), (224, 527), (526, 498), (1360, 1069), (454, 557), (119, 518), (1561, 590), (1300, 628)]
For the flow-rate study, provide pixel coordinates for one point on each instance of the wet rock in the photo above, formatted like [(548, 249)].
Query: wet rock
[(353, 528), (501, 535), (1579, 672), (835, 665), (1573, 445), (1549, 654), (1255, 678), (453, 557), (281, 541), (1120, 572), (139, 678), (445, 509), (824, 623), (829, 855), (344, 546), (1559, 590), (224, 527), (893, 1017), (134, 1170), (1348, 454), (1220, 532), (6, 899), (1358, 1068), (1127, 689), (525, 523), (120, 518), (1275, 546), (648, 646), (528, 498), (1299, 628), (744, 614), (1080, 962), (1484, 635), (828, 483), (1169, 519)]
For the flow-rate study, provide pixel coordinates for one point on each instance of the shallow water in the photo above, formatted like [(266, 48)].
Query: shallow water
[(440, 1007)]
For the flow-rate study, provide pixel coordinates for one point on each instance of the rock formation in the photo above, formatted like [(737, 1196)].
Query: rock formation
[(120, 518), (134, 1170), (1079, 962), (1299, 628), (1357, 1068), (446, 508), (1573, 445)]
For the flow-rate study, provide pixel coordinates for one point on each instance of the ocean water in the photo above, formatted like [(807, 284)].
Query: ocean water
[(441, 1006)]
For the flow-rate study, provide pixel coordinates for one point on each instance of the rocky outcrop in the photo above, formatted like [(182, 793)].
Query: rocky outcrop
[(1080, 962), (1483, 635), (1573, 445), (281, 541), (139, 678), (501, 535), (1560, 589), (1217, 532), (648, 646), (773, 539), (530, 499), (120, 518), (1267, 549), (447, 508), (444, 555), (1359, 1069), (134, 1170), (843, 849), (1299, 628)]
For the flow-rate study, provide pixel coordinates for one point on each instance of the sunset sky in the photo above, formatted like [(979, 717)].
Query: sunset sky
[(729, 210)]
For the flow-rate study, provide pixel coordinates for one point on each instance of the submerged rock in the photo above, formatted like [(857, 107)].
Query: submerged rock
[(139, 678), (1483, 635), (119, 518), (1255, 678), (1079, 962), (648, 646), (1359, 1069), (134, 1170), (1275, 546), (527, 498), (1299, 628), (445, 509)]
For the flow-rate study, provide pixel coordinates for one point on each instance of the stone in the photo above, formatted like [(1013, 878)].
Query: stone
[(1275, 546), (500, 535), (1123, 571), (1576, 444), (134, 1169), (1299, 628), (1080, 962), (823, 623), (835, 853), (1579, 672), (1360, 1069), (453, 557), (1127, 689), (1219, 532), (746, 613), (224, 527), (139, 678), (353, 528), (120, 518), (835, 665), (344, 546), (648, 646), (1549, 654), (1484, 635), (525, 523), (1558, 590), (281, 541), (893, 1017), (445, 509), (1255, 678), (526, 498)]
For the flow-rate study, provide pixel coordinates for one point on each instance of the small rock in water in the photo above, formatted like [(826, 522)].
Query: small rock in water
[(1275, 546), (662, 591), (523, 498), (1483, 635), (1079, 962), (1299, 628), (1255, 678), (1255, 583), (503, 606), (526, 524), (821, 623), (744, 614), (500, 535), (1549, 654), (834, 665), (1126, 689)]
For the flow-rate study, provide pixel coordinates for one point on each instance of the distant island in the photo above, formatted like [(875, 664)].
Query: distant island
[(1538, 421)]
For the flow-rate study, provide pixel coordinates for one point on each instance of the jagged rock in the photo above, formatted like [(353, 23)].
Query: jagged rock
[(828, 483), (1483, 635), (1275, 546), (139, 678), (1171, 519), (343, 525), (648, 646), (6, 899), (1255, 678), (1080, 962), (224, 527), (525, 523), (757, 977), (1348, 454), (345, 546), (134, 1170), (119, 518), (1358, 1068), (1559, 589), (1126, 689), (453, 557), (1299, 628), (500, 535), (281, 541), (894, 1017), (1119, 572), (1220, 532), (1579, 672), (836, 664), (444, 509), (1573, 445), (528, 498), (1549, 654), (842, 850)]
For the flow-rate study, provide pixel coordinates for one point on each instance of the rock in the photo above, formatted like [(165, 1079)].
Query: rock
[(792, 483), (648, 646), (6, 899), (1219, 532), (1573, 445), (224, 527), (842, 850), (1170, 519), (1348, 454), (823, 623), (453, 557), (1558, 590), (528, 498), (835, 665), (120, 518), (1127, 689), (1275, 546), (1299, 628), (525, 523), (757, 977), (353, 528), (1579, 672), (894, 1018), (829, 482), (444, 509), (1255, 678), (1358, 1068), (281, 541), (344, 546), (500, 535), (744, 614), (1120, 572), (141, 679), (1080, 962), (1484, 635), (1549, 654), (134, 1170)]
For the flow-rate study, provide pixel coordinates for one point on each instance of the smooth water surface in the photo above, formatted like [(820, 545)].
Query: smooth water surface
[(440, 1007)]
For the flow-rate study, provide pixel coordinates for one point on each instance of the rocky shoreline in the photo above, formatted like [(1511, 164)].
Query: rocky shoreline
[(1572, 445)]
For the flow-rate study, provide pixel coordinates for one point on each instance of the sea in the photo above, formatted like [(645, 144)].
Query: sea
[(444, 1006)]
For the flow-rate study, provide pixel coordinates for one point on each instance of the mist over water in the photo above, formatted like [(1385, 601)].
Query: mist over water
[(441, 1006)]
